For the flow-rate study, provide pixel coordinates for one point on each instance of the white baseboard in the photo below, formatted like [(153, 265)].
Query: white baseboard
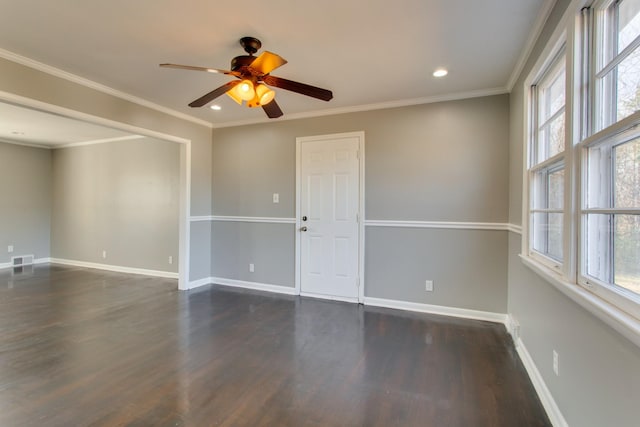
[(253, 285), (437, 309), (116, 268), (200, 282), (548, 402)]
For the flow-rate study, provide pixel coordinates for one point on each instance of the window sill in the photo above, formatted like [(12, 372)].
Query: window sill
[(622, 322)]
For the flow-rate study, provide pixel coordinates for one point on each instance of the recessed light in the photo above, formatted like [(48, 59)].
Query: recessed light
[(216, 107), (440, 72), (17, 132)]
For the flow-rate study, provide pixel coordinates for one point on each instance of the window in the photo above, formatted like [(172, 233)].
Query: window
[(546, 170), (582, 182), (610, 205)]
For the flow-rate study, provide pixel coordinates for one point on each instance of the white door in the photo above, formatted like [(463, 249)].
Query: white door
[(329, 217)]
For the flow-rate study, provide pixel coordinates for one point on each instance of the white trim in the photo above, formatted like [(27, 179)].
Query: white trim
[(437, 309), (116, 268), (546, 398), (25, 144), (370, 107), (499, 226), (514, 228), (263, 219), (200, 282), (361, 205), (98, 141), (265, 287), (184, 226), (28, 62), (536, 30), (624, 323)]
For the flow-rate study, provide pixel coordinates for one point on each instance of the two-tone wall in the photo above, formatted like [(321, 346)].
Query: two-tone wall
[(599, 370), (437, 174)]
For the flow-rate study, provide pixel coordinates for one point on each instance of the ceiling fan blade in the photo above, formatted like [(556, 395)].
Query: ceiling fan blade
[(267, 62), (203, 100), (301, 88), (272, 109), (194, 68)]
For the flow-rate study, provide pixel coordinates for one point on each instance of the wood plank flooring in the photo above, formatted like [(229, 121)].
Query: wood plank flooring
[(82, 347)]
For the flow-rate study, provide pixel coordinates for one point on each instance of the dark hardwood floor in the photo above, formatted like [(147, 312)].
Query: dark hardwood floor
[(83, 347)]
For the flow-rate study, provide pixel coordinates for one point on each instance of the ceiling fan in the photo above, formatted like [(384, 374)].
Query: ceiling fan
[(253, 80)]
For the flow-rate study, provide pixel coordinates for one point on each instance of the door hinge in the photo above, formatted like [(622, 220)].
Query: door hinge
[(358, 218), (357, 282), (358, 155)]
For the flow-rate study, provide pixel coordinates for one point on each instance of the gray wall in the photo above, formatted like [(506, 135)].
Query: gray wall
[(26, 82), (435, 162), (599, 381), (25, 201), (122, 197)]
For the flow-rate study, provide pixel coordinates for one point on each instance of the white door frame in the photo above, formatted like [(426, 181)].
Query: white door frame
[(319, 138), (184, 226)]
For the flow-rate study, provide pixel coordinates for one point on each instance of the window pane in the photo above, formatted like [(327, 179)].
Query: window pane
[(552, 96), (556, 136), (556, 189), (548, 188), (627, 252), (627, 174), (597, 188), (628, 22), (547, 234), (628, 85), (598, 246)]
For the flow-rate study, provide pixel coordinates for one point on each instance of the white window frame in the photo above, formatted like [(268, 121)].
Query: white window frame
[(621, 313), (607, 133), (555, 60)]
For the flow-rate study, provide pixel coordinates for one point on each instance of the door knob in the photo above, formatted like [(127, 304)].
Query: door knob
[(304, 218), (303, 228)]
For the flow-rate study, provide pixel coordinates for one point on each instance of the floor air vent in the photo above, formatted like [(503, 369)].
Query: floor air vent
[(19, 261)]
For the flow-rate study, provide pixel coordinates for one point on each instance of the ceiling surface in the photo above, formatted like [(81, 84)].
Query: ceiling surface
[(21, 125), (368, 52)]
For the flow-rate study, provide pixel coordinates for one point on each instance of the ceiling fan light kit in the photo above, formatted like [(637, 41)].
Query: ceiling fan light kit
[(254, 75)]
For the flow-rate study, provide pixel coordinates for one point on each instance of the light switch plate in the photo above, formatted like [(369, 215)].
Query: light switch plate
[(276, 198)]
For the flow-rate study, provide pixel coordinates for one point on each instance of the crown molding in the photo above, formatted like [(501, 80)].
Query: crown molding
[(28, 62), (24, 144), (536, 30), (370, 107), (99, 141)]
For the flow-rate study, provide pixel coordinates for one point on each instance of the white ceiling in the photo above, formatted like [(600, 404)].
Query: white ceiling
[(368, 52), (31, 127)]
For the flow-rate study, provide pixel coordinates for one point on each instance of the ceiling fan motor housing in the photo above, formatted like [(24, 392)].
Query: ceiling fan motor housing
[(241, 61)]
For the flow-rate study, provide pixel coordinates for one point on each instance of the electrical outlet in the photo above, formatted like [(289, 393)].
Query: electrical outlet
[(428, 285), (251, 268), (104, 254), (276, 198), (170, 259), (555, 362), (10, 248)]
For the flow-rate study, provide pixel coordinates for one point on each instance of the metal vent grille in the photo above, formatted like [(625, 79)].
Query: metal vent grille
[(18, 261)]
